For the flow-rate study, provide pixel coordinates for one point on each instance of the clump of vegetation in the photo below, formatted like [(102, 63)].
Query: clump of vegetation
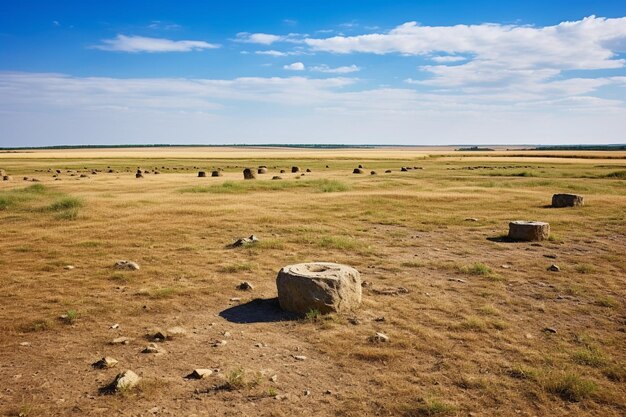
[(584, 268), (70, 317), (607, 301), (330, 186), (472, 324), (478, 269), (313, 315), (616, 372), (37, 326), (12, 198), (238, 267), (66, 208), (589, 356), (617, 174), (570, 387), (238, 379), (523, 372), (240, 187), (429, 407), (338, 242)]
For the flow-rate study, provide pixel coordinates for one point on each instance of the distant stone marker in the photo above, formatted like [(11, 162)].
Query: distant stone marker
[(138, 174), (295, 169), (357, 171), (528, 231), (216, 173), (262, 170), (201, 174), (249, 174), (323, 286), (567, 200)]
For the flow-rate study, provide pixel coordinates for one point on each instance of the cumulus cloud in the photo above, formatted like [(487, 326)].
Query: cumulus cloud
[(338, 70), (296, 66), (123, 43), (447, 59)]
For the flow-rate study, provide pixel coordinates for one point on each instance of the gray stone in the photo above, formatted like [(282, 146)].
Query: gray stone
[(323, 286), (249, 174), (201, 174), (554, 268), (129, 265), (262, 170), (245, 286), (125, 381), (105, 363), (200, 373), (528, 231), (216, 173), (567, 200)]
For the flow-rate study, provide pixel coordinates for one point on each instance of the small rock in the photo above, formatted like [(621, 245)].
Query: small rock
[(219, 343), (24, 343), (115, 326), (306, 392), (274, 378), (245, 286), (354, 321), (462, 281), (129, 265), (235, 299), (505, 266), (105, 363), (153, 348), (69, 267), (124, 381), (176, 331), (528, 336), (226, 334), (299, 357), (158, 335), (549, 330), (120, 341), (554, 268), (328, 392), (200, 374), (381, 318), (471, 219), (244, 241), (378, 338)]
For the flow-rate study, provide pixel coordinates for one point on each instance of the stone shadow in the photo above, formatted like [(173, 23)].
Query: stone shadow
[(258, 310)]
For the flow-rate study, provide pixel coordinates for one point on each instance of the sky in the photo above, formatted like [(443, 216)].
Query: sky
[(77, 72)]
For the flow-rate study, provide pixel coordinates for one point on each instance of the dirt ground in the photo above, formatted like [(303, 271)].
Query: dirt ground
[(478, 325)]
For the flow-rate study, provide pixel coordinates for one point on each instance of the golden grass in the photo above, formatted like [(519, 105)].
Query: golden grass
[(466, 337)]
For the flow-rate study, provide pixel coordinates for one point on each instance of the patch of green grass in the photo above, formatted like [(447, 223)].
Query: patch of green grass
[(66, 203), (329, 186), (617, 174), (570, 387), (238, 379), (313, 314), (589, 356), (429, 407), (12, 198), (237, 267), (472, 324), (479, 269), (70, 317), (606, 301), (37, 326), (584, 268)]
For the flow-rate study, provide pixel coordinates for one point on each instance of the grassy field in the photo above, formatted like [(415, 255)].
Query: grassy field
[(483, 329)]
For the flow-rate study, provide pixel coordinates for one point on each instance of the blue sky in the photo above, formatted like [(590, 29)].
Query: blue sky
[(351, 72)]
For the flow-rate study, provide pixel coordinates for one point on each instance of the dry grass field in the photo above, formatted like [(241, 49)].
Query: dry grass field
[(478, 326)]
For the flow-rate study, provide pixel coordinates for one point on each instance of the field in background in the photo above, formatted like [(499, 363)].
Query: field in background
[(468, 336)]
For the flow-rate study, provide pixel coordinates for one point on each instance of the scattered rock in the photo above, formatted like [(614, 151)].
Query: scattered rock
[(323, 286), (567, 200), (294, 170), (176, 331), (528, 231), (138, 174), (549, 330), (357, 171), (244, 241), (105, 363), (201, 174), (219, 343), (115, 326), (153, 348), (277, 177), (505, 266), (388, 171), (6, 178), (471, 219), (373, 173), (235, 299), (306, 392), (124, 381), (404, 169), (69, 267), (391, 291), (216, 173), (245, 286), (262, 170), (299, 357), (120, 341), (128, 265), (24, 343), (249, 174), (274, 378), (158, 335), (554, 268), (200, 374), (380, 318), (378, 338)]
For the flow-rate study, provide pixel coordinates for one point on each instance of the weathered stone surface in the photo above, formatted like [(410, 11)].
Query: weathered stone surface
[(528, 231), (129, 265), (105, 363), (567, 200), (323, 286), (200, 374), (249, 174), (124, 381)]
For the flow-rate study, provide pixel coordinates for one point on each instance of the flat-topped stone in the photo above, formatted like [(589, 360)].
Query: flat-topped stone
[(323, 286), (528, 230), (567, 200)]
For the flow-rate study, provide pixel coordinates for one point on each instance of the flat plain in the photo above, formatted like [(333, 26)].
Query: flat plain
[(477, 325)]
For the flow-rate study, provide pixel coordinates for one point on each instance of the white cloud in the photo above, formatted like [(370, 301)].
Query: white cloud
[(123, 43), (271, 52), (260, 38), (447, 58), (296, 66), (338, 70)]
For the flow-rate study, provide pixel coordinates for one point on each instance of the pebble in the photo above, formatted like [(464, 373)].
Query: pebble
[(69, 267), (299, 357), (200, 373), (274, 378), (105, 363), (115, 326), (120, 341), (379, 338), (549, 330), (554, 268)]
